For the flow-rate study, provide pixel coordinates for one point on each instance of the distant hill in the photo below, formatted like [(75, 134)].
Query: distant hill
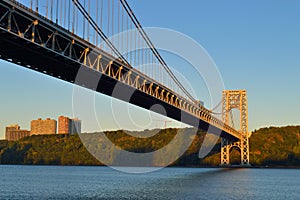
[(273, 146), (276, 146)]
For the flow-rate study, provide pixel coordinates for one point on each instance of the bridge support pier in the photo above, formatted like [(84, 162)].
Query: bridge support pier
[(235, 99)]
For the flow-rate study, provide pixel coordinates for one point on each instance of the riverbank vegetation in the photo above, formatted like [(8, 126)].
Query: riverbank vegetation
[(273, 146)]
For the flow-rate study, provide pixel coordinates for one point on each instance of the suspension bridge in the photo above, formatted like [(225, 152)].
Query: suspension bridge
[(65, 38)]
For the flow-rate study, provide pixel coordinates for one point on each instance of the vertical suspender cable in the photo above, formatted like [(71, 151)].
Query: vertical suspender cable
[(73, 18), (142, 54), (60, 13), (88, 24), (146, 60), (56, 12), (127, 38), (118, 31), (37, 6), (131, 45), (101, 12), (134, 38), (47, 9), (83, 21), (112, 21), (65, 13), (51, 10), (139, 51), (108, 19), (122, 29), (76, 20), (69, 14), (148, 66), (153, 71), (97, 19), (101, 18)]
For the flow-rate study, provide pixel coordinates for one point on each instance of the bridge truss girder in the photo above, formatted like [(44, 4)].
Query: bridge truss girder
[(232, 99)]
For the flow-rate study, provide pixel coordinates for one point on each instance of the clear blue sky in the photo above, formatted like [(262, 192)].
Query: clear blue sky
[(255, 44)]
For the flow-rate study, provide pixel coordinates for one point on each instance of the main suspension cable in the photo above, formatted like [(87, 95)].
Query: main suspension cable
[(153, 49), (98, 30)]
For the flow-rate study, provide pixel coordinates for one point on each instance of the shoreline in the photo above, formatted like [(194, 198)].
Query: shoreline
[(172, 166)]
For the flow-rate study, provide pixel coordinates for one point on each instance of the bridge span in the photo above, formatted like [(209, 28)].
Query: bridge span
[(37, 42)]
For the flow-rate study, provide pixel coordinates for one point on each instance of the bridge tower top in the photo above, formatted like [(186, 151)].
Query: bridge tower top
[(236, 99)]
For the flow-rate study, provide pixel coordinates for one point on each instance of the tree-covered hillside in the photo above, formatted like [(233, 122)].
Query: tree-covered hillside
[(276, 146), (268, 146)]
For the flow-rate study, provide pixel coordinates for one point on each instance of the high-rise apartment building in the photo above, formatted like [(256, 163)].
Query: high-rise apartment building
[(43, 127), (13, 133), (64, 125), (68, 126), (11, 128), (75, 126)]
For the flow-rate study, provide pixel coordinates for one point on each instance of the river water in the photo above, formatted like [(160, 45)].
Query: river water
[(75, 182)]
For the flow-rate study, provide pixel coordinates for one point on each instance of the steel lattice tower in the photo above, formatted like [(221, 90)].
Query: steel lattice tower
[(235, 99)]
